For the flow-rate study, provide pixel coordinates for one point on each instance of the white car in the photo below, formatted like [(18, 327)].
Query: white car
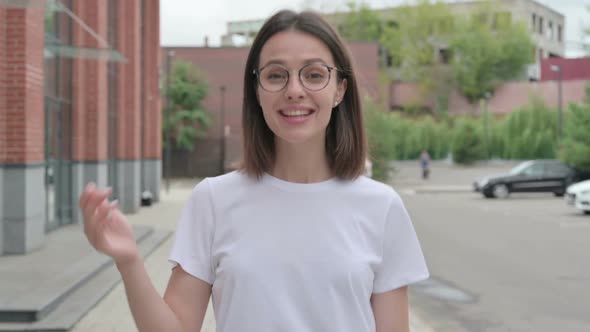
[(578, 194)]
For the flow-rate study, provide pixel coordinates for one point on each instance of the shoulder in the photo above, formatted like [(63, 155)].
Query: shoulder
[(372, 190), (224, 185)]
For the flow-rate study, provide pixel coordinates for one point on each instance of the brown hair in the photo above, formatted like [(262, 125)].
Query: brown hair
[(346, 143)]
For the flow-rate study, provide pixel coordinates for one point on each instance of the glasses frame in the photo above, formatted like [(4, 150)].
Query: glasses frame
[(256, 72)]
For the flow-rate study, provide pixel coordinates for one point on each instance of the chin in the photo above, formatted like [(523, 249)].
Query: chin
[(298, 138)]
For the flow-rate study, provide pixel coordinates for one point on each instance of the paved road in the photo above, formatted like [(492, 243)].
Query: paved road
[(521, 264)]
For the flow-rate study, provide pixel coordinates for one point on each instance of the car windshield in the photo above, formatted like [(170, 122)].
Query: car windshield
[(518, 169)]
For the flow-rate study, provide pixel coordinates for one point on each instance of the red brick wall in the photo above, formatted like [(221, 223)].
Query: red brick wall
[(129, 39), (23, 74), (573, 69), (366, 61), (507, 98), (3, 85), (152, 138), (89, 95)]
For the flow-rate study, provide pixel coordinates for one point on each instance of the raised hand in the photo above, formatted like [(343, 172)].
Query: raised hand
[(106, 228)]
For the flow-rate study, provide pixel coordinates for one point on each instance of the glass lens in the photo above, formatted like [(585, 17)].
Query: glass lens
[(273, 77), (314, 76)]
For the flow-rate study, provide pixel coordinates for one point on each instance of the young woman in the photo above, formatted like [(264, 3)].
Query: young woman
[(297, 239)]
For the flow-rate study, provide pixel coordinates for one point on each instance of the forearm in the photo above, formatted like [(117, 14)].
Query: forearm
[(149, 310)]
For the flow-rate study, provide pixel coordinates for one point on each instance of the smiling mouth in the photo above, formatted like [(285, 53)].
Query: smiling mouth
[(297, 113)]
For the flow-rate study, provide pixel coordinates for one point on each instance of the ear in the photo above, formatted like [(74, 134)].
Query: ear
[(340, 91)]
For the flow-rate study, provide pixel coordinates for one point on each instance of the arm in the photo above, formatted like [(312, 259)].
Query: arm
[(182, 308), (109, 232), (391, 310)]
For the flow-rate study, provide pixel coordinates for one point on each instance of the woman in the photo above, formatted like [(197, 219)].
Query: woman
[(297, 239)]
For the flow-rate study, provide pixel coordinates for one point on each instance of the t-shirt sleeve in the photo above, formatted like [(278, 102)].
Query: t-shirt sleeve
[(194, 235), (402, 261)]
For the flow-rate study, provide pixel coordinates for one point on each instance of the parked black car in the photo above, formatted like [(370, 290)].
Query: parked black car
[(530, 176)]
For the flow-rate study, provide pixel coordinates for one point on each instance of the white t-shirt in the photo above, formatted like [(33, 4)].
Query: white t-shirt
[(285, 256)]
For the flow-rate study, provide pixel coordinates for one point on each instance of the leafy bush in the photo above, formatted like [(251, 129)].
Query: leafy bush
[(468, 145), (382, 139), (530, 133), (576, 144)]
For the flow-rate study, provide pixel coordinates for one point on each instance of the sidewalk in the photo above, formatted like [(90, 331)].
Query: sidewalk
[(112, 312)]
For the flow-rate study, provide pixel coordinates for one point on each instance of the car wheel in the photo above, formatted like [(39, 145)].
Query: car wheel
[(488, 195), (558, 194), (500, 191), (587, 212)]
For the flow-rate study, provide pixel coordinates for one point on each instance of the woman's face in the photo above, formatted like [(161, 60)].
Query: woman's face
[(298, 113)]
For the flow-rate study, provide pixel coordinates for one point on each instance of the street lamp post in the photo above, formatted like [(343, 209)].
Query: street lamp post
[(487, 97), (559, 71), (169, 57), (222, 128)]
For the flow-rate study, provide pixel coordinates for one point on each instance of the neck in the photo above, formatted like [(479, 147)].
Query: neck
[(301, 163)]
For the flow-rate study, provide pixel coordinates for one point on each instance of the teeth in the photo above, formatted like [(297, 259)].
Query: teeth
[(296, 113)]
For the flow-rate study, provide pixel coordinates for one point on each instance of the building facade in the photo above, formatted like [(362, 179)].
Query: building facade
[(79, 102), (545, 24)]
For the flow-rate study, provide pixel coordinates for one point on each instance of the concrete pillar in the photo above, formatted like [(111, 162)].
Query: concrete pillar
[(90, 101), (128, 188), (152, 106), (22, 130)]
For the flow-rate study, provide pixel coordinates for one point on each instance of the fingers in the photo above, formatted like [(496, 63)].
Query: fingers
[(86, 194), (105, 210), (91, 198), (95, 199), (102, 211)]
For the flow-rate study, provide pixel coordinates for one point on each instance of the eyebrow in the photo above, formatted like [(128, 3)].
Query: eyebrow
[(281, 62)]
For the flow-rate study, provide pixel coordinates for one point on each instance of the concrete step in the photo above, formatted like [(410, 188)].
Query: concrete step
[(57, 302)]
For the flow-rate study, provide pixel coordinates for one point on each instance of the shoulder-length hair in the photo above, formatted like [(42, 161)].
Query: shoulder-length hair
[(346, 143)]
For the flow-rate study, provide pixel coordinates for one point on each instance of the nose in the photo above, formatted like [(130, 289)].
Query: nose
[(294, 89)]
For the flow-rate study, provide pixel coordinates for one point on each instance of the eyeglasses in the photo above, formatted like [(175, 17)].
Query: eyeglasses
[(274, 77)]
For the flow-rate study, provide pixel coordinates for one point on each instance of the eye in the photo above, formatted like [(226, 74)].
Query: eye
[(274, 74), (315, 73)]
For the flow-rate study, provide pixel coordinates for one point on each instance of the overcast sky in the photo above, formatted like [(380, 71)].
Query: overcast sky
[(187, 22)]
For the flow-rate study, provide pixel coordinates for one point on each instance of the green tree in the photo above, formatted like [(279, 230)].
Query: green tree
[(188, 120), (415, 38), (576, 144), (361, 23), (488, 48)]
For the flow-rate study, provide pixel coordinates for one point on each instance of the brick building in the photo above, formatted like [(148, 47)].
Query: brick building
[(79, 102), (571, 69), (223, 68)]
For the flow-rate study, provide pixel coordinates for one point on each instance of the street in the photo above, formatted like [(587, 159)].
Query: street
[(519, 264)]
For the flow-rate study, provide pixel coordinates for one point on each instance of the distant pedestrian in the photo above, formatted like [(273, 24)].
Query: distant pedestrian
[(425, 163), (295, 240)]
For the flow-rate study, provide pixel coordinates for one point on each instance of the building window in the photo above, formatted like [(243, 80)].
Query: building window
[(540, 54), (559, 33), (534, 22), (540, 25), (444, 56), (550, 34)]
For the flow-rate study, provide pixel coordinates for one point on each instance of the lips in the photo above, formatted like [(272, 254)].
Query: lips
[(295, 111), (296, 114)]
